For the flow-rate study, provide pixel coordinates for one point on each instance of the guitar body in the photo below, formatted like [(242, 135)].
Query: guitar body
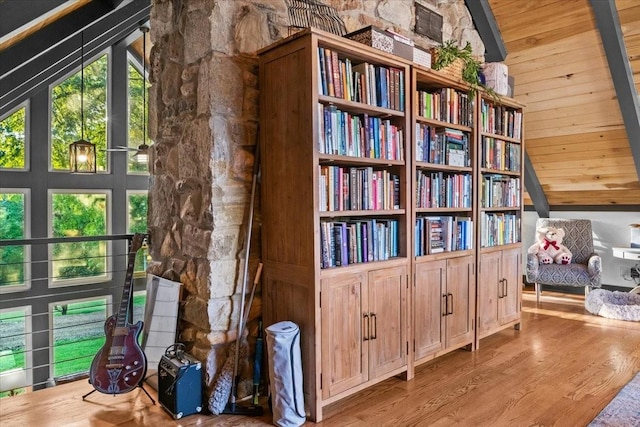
[(120, 365)]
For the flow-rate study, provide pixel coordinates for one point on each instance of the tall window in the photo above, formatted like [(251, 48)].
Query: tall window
[(13, 140), (138, 133), (71, 112), (14, 266), (75, 214)]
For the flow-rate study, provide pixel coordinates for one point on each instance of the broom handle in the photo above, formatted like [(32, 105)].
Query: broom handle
[(247, 247)]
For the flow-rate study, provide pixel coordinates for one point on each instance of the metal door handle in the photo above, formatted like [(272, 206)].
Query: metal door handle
[(375, 326), (450, 295), (365, 336), (445, 305)]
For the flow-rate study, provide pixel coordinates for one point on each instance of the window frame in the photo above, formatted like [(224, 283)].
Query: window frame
[(27, 248), (108, 276), (27, 134)]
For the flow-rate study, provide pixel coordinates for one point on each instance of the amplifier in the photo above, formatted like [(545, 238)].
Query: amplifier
[(180, 384)]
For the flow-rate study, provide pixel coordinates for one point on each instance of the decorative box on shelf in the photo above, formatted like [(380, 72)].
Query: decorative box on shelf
[(374, 37), (421, 56), (496, 75)]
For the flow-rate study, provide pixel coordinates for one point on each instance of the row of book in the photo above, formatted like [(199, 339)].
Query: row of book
[(500, 155), (442, 146), (447, 105), (435, 234), (443, 190), (364, 82), (347, 134), (362, 188), (499, 229), (500, 191), (501, 120), (357, 241)]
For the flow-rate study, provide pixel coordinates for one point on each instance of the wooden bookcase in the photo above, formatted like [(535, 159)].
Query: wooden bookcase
[(331, 186), (444, 211), (317, 190), (500, 205)]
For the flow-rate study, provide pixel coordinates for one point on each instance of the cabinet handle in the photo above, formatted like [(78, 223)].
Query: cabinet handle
[(365, 324), (450, 295), (445, 306), (375, 326), (506, 288), (500, 289)]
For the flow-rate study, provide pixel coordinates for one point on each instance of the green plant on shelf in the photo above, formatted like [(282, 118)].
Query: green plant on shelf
[(448, 52)]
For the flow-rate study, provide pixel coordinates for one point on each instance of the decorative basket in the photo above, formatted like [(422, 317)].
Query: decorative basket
[(454, 69)]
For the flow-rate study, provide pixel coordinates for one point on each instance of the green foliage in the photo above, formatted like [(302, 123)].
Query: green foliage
[(449, 51), (67, 110), (138, 213), (12, 140), (11, 227), (79, 215)]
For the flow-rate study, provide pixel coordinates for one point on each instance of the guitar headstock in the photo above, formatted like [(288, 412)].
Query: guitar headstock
[(136, 242)]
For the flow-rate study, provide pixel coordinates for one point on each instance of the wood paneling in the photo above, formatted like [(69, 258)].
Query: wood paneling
[(576, 138)]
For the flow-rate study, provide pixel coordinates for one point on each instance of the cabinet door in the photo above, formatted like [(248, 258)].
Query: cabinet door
[(387, 317), (489, 291), (460, 301), (429, 289), (509, 307), (344, 344)]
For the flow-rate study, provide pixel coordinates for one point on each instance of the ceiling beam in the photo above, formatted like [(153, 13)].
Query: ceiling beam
[(53, 63), (536, 193), (608, 25), (485, 22)]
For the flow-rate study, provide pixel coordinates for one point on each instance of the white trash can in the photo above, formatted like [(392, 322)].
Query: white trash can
[(285, 374)]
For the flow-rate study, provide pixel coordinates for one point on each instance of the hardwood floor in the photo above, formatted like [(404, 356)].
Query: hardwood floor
[(561, 369)]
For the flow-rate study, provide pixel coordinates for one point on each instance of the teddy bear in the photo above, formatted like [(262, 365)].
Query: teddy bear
[(549, 248)]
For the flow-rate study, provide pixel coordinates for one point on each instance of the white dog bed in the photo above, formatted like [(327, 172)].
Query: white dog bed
[(614, 305)]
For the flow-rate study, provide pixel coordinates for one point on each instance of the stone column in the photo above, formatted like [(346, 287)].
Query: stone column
[(203, 116)]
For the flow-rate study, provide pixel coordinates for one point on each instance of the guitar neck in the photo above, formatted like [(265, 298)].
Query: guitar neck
[(125, 302)]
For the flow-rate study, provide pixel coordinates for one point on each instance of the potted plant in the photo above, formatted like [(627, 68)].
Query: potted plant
[(460, 63)]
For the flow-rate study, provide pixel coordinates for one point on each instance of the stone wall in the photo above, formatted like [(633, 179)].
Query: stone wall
[(203, 118)]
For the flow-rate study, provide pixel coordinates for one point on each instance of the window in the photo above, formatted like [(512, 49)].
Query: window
[(137, 223), (73, 114), (75, 214), (13, 140), (14, 260), (15, 350), (78, 334), (138, 134)]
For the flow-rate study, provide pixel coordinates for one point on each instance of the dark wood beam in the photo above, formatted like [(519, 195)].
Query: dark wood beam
[(608, 25), (532, 184), (485, 22), (28, 77)]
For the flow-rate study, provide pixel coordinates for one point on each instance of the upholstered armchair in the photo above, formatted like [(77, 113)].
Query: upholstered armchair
[(585, 269)]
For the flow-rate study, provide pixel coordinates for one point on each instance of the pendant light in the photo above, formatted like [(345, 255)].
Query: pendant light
[(142, 154), (82, 153)]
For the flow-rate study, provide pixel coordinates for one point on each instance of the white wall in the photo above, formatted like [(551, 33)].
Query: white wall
[(610, 230)]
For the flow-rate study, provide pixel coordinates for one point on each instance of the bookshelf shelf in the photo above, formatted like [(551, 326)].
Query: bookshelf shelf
[(500, 162), (336, 208)]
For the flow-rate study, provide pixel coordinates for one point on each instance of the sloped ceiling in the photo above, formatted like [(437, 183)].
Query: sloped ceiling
[(575, 132)]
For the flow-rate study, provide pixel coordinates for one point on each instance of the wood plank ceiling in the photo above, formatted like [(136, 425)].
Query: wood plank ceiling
[(575, 133)]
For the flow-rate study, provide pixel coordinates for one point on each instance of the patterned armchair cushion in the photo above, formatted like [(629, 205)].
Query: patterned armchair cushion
[(586, 266)]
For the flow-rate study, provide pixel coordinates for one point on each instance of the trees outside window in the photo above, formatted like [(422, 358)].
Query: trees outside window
[(13, 259), (13, 140), (76, 214), (138, 131)]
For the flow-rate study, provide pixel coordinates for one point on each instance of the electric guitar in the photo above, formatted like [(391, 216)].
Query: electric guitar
[(120, 365)]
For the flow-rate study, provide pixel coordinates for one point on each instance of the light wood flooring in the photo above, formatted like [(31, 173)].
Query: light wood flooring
[(560, 369)]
